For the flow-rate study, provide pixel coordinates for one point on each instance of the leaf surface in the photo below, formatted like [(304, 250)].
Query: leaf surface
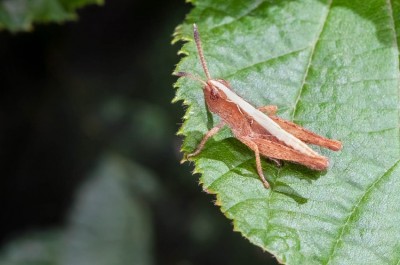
[(19, 15), (331, 66)]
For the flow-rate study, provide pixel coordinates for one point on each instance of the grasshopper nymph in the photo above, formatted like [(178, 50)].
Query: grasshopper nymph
[(258, 128)]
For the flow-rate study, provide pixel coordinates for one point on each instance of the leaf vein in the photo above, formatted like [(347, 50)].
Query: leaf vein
[(393, 27), (249, 67), (320, 218), (313, 46), (225, 174), (356, 206), (390, 6), (389, 3), (245, 201)]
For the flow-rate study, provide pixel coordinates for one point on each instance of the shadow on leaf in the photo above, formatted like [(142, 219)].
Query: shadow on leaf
[(285, 189)]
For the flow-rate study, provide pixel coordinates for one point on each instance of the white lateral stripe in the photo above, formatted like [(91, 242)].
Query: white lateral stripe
[(266, 122)]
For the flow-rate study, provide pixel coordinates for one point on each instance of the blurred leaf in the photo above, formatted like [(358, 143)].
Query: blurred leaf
[(331, 66), (134, 127), (38, 248), (110, 224), (17, 15)]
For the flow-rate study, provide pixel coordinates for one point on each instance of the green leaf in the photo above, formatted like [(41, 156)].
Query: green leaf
[(19, 15), (110, 223), (34, 248), (331, 66)]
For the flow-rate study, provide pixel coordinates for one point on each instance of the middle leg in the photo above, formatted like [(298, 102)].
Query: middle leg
[(253, 146)]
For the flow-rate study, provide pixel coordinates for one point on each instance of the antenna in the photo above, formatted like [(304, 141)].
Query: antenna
[(200, 50), (191, 76)]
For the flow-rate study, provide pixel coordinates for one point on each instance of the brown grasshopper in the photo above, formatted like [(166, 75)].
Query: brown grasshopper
[(258, 128)]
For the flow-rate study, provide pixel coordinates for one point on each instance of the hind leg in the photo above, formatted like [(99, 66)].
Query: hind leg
[(269, 109)]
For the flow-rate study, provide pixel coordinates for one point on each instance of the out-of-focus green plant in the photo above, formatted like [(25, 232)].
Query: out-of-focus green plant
[(110, 222), (20, 15)]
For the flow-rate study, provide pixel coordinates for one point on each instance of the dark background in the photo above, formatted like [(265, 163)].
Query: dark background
[(72, 92)]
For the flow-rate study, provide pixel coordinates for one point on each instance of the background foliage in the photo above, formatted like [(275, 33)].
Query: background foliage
[(16, 15), (331, 66), (89, 162)]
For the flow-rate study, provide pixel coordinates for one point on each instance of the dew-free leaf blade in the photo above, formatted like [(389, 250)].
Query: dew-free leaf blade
[(332, 67)]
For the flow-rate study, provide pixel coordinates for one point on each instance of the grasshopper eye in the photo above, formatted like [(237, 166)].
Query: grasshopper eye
[(214, 93)]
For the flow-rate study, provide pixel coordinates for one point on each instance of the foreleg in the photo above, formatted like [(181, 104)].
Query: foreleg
[(207, 136)]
